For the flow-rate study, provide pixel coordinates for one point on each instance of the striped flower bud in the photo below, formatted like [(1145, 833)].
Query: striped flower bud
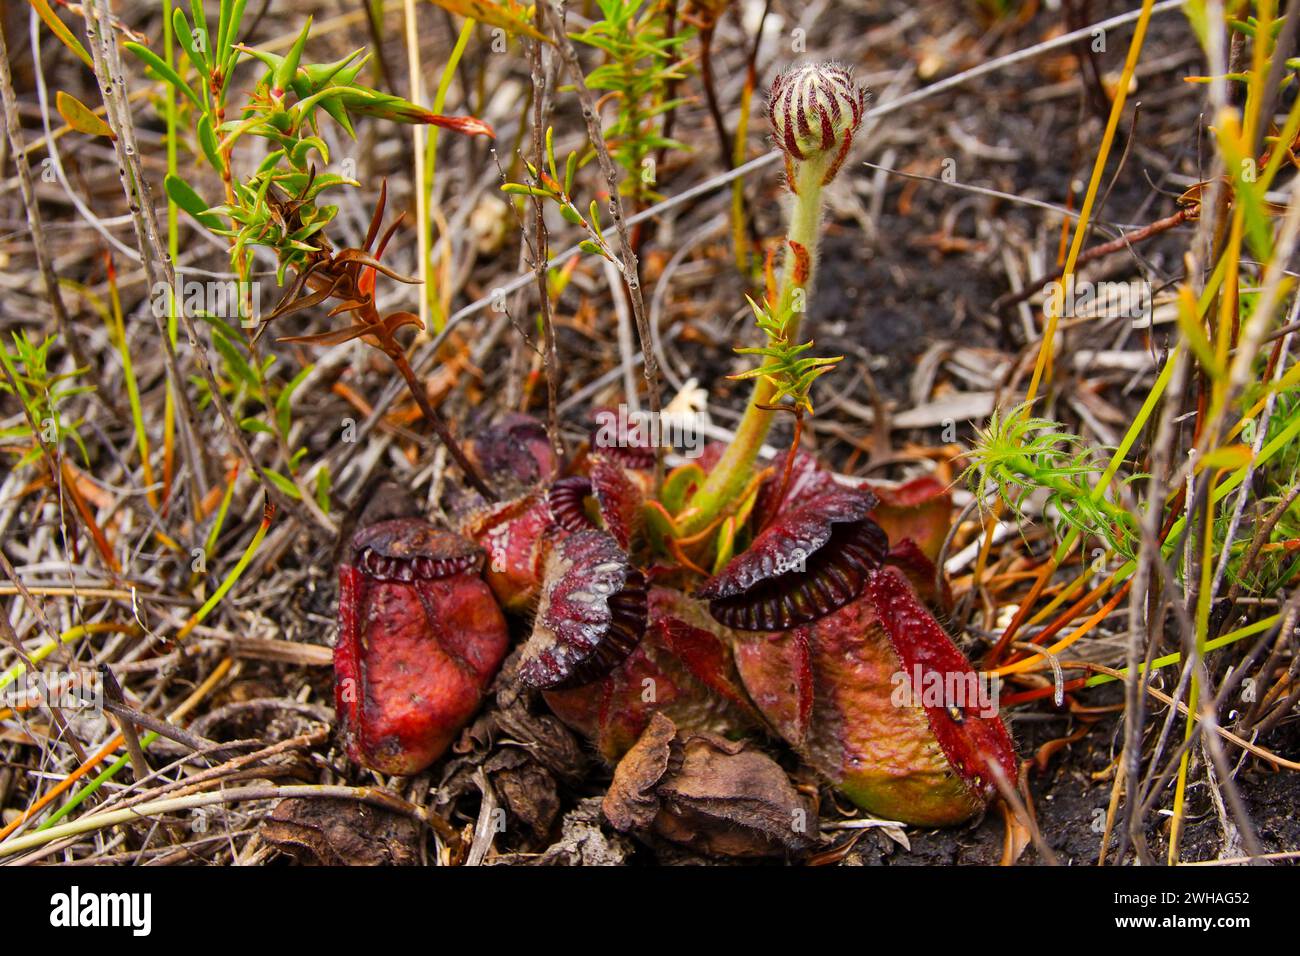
[(815, 109)]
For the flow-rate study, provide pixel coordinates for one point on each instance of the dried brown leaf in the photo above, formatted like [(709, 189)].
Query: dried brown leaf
[(707, 793), (341, 833)]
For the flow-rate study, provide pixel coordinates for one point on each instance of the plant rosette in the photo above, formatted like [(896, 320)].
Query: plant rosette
[(730, 601), (811, 631), (804, 634)]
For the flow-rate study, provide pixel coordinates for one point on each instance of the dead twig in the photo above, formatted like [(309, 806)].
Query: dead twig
[(630, 266)]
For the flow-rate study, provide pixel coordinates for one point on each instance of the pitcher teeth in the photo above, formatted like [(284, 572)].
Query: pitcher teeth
[(591, 617)]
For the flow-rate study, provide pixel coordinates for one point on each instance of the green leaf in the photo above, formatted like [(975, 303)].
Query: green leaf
[(223, 32), (208, 143), (284, 484), (323, 485), (184, 196), (678, 484), (257, 426), (550, 153), (570, 171), (315, 77), (335, 109), (284, 73), (181, 27), (301, 150), (165, 72), (235, 363), (80, 117), (726, 544), (284, 401), (271, 61), (228, 32), (201, 28), (523, 189)]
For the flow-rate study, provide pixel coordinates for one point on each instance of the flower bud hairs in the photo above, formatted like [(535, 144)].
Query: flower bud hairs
[(814, 110)]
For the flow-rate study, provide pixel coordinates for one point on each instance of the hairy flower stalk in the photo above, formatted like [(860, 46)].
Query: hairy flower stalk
[(814, 112)]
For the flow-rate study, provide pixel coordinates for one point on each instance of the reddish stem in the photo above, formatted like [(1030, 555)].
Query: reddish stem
[(439, 423), (789, 461)]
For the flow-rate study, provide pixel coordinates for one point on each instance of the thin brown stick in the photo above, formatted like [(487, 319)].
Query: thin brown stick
[(541, 249), (56, 713), (631, 273), (1181, 707), (373, 796), (711, 96), (435, 418), (1143, 612), (201, 779), (114, 703)]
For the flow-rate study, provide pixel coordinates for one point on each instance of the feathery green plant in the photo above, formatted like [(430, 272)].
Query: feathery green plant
[(42, 393), (642, 64), (1018, 455)]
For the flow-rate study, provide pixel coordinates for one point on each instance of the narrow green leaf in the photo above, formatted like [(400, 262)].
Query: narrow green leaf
[(284, 484), (238, 367), (165, 72), (523, 189), (184, 196), (550, 153), (202, 39), (181, 27), (284, 401), (227, 40), (284, 73), (256, 426), (223, 32), (208, 143), (570, 171), (323, 485)]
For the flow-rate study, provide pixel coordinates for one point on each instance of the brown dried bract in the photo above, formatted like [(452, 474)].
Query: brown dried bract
[(707, 793)]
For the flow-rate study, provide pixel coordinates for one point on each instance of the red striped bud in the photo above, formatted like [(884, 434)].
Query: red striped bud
[(815, 109)]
